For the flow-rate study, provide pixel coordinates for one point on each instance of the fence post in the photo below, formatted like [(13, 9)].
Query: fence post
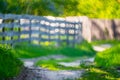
[(19, 30), (11, 44), (3, 30), (49, 36), (59, 34), (3, 37), (66, 30), (79, 32), (74, 34), (86, 29), (30, 30), (39, 33)]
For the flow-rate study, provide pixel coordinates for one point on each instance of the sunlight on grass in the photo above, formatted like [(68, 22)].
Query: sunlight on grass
[(54, 64), (49, 66), (109, 57), (47, 43), (105, 63), (98, 71), (94, 73)]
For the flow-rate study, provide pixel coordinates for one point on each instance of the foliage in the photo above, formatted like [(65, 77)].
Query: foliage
[(95, 73), (9, 65), (106, 63), (29, 50), (91, 8), (109, 57)]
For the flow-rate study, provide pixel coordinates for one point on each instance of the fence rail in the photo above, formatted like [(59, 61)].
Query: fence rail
[(17, 28)]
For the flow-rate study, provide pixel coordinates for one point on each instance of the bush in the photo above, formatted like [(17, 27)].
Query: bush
[(9, 65), (109, 57)]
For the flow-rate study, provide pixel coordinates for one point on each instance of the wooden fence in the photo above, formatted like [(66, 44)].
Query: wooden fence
[(17, 28)]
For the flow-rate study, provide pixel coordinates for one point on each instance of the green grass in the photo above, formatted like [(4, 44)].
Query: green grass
[(53, 64), (109, 57), (80, 51), (26, 50), (99, 42), (10, 66), (95, 73), (30, 51), (106, 63), (103, 69)]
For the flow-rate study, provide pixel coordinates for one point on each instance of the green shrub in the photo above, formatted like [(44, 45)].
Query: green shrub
[(109, 57), (9, 65)]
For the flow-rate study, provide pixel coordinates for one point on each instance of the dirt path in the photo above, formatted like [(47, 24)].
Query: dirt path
[(35, 73), (38, 73), (102, 47), (30, 62)]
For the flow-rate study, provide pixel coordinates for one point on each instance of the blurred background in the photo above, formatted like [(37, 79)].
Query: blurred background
[(91, 8)]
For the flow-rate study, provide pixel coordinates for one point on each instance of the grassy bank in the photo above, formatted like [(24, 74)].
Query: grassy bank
[(109, 57), (106, 63), (10, 66), (99, 42), (97, 73)]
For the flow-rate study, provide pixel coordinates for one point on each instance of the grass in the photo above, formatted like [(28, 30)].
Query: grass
[(53, 64), (10, 66), (103, 69), (97, 73), (32, 51), (99, 42), (83, 49), (80, 51), (106, 63), (109, 57)]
